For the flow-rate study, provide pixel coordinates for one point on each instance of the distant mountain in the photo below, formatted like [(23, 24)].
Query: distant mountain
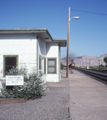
[(86, 60)]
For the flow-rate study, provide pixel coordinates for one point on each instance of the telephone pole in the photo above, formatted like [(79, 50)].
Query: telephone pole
[(67, 70), (67, 61)]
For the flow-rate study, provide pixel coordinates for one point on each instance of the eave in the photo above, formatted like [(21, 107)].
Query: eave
[(43, 32)]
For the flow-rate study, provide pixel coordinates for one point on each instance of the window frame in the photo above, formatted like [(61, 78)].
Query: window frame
[(4, 61), (52, 66)]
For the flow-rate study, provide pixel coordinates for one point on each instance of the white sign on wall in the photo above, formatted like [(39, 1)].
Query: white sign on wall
[(14, 80)]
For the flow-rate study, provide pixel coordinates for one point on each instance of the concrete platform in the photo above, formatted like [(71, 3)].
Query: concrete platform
[(88, 97)]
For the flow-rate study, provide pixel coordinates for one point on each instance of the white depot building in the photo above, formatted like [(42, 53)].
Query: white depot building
[(33, 48)]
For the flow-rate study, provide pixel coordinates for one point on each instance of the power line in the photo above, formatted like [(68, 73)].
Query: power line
[(89, 12)]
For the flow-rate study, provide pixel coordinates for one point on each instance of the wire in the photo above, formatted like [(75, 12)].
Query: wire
[(89, 12)]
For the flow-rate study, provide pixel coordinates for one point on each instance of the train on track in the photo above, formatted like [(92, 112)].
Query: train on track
[(72, 65)]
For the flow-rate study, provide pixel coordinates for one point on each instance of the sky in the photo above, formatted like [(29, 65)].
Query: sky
[(88, 35)]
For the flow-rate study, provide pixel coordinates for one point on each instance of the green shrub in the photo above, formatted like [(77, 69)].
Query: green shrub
[(62, 66), (33, 85), (105, 60), (100, 67)]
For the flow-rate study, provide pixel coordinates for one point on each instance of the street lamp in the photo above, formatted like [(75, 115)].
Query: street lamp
[(68, 40), (76, 17)]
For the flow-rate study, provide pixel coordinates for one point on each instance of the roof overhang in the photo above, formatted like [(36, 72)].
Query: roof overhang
[(42, 32), (62, 42)]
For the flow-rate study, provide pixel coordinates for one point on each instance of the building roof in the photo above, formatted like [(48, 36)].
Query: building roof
[(62, 42), (43, 32)]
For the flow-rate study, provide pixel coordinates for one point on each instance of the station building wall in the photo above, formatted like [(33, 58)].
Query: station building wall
[(53, 52), (20, 45)]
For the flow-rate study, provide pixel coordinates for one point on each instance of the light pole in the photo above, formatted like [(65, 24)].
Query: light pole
[(67, 71)]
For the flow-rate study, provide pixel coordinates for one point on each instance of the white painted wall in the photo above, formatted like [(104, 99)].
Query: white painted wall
[(41, 47), (23, 45), (52, 52)]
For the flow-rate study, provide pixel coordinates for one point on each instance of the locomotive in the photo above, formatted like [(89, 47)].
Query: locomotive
[(72, 65)]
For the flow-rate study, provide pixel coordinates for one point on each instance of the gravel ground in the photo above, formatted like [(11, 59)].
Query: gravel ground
[(54, 105)]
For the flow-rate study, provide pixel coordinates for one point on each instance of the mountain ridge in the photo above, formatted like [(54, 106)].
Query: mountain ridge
[(86, 60)]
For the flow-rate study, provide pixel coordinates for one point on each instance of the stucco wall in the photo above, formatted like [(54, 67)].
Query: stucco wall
[(41, 47), (28, 49), (53, 52), (49, 50), (23, 45)]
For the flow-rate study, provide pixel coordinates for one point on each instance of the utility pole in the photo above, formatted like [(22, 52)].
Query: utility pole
[(67, 71)]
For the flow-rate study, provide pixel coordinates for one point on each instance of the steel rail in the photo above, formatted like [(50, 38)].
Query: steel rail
[(97, 74)]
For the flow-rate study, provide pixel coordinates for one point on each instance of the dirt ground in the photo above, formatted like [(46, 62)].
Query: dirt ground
[(54, 105)]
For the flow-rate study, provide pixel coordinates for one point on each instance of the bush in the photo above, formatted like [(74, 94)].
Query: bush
[(62, 66), (101, 67), (33, 85), (105, 60)]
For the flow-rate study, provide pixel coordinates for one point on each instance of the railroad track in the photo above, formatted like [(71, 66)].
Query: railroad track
[(96, 74)]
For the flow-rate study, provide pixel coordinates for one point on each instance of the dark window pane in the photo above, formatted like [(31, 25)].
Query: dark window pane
[(9, 63)]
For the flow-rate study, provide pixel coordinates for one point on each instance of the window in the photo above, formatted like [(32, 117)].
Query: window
[(10, 62), (52, 65)]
